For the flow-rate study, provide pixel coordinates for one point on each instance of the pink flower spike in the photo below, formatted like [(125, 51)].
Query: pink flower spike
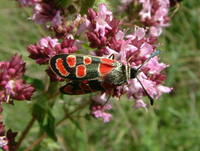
[(102, 98), (139, 33), (146, 49), (111, 51), (57, 19), (44, 13), (139, 104), (47, 41), (101, 25), (99, 111), (149, 85), (155, 13), (43, 50), (163, 89), (155, 31), (28, 2), (82, 23), (146, 10), (103, 11), (12, 85), (154, 66), (120, 35), (101, 20)]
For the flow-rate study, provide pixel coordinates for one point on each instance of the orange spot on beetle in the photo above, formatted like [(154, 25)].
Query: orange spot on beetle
[(61, 68), (80, 71), (105, 69), (71, 61), (87, 60), (108, 61)]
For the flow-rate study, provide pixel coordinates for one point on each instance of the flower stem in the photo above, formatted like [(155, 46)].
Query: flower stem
[(37, 141), (25, 132)]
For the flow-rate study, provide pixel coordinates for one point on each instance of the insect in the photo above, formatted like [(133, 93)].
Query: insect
[(89, 74)]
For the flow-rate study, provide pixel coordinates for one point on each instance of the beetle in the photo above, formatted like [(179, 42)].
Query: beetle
[(82, 87), (89, 74)]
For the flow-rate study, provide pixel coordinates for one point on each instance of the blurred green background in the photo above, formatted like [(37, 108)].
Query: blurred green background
[(172, 124)]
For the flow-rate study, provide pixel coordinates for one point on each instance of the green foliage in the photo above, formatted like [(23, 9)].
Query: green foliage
[(42, 112), (37, 83), (173, 123), (85, 4)]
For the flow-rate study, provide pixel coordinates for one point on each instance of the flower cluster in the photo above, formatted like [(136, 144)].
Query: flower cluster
[(99, 107), (12, 87), (11, 84), (153, 14), (104, 33), (7, 139), (132, 49), (43, 11), (28, 2), (48, 47)]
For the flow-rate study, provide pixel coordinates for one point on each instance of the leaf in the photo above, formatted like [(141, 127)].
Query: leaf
[(76, 123), (85, 4), (37, 83), (42, 112), (49, 127), (62, 3), (39, 111)]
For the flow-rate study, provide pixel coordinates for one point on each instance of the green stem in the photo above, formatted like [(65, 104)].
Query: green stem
[(25, 132), (39, 140), (32, 121)]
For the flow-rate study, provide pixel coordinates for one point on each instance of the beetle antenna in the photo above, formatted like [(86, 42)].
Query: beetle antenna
[(152, 55), (148, 95)]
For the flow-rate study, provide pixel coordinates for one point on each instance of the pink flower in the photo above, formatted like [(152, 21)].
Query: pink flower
[(155, 31), (44, 13), (102, 27), (11, 84), (100, 106), (7, 139), (133, 50), (43, 50), (155, 14), (57, 19), (154, 67), (100, 99), (3, 139), (28, 2), (48, 47), (163, 89), (99, 112), (103, 14), (139, 104), (82, 24)]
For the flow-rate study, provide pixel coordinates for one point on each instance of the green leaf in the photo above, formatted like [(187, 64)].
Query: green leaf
[(39, 111), (49, 126), (42, 112), (85, 4), (37, 83), (76, 123), (62, 3)]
